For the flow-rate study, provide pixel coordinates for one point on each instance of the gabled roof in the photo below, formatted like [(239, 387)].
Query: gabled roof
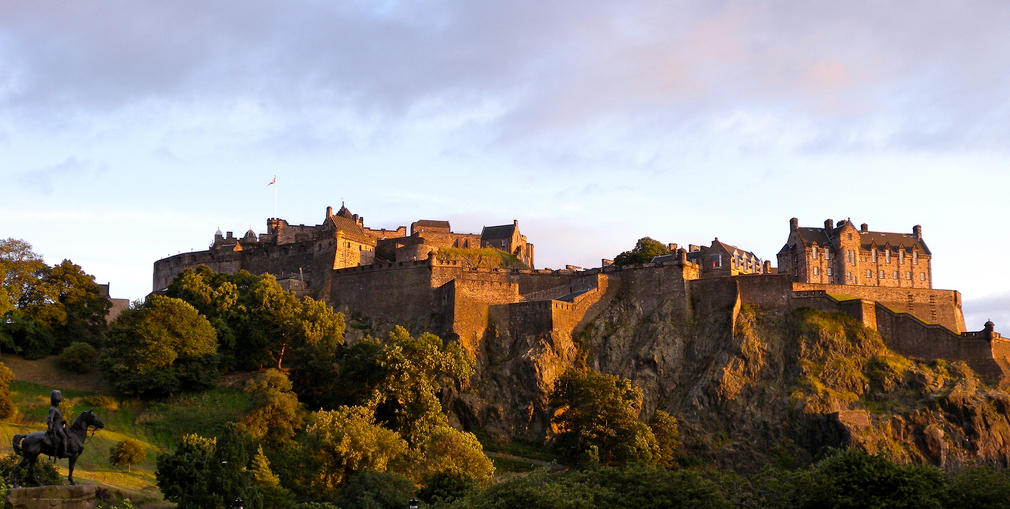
[(504, 231), (350, 228)]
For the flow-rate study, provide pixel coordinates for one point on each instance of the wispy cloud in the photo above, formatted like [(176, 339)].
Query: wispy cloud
[(44, 180)]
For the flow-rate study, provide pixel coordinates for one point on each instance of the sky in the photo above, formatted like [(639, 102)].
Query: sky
[(132, 130)]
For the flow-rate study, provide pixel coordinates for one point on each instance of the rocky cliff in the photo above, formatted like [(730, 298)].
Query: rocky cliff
[(748, 386)]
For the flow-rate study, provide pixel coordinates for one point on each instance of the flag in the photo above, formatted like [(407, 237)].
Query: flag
[(272, 182)]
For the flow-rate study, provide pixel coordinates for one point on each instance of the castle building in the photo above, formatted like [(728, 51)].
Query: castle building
[(844, 255), (721, 259), (507, 238)]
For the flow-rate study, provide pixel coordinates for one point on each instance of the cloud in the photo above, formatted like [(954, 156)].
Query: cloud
[(45, 179), (993, 307), (838, 76)]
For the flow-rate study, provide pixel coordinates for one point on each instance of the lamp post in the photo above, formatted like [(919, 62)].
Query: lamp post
[(239, 503), (413, 503)]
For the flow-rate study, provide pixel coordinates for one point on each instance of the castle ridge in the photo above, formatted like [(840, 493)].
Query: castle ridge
[(422, 281)]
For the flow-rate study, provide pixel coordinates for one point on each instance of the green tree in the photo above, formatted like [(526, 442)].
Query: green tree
[(160, 347), (127, 452), (328, 376), (854, 479), (184, 477), (369, 489), (456, 453), (274, 414), (20, 268), (268, 484), (256, 320), (416, 367), (79, 357), (644, 251), (341, 442), (595, 417), (664, 427)]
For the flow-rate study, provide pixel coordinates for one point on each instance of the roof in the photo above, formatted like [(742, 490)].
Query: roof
[(504, 231), (430, 223), (350, 227), (809, 236)]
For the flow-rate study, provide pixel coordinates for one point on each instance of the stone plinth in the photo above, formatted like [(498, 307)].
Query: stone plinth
[(52, 497)]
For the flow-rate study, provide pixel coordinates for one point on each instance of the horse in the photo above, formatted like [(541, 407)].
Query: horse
[(41, 442)]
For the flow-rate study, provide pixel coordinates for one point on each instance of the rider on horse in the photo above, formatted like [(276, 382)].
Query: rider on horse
[(56, 424)]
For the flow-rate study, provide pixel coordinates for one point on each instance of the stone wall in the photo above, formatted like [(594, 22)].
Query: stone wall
[(942, 307)]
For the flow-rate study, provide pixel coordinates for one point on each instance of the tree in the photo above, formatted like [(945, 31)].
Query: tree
[(328, 377), (160, 347), (644, 251), (7, 408), (268, 484), (256, 320), (184, 477), (19, 271), (127, 452), (347, 440), (274, 414), (375, 490), (448, 451), (595, 416), (664, 427)]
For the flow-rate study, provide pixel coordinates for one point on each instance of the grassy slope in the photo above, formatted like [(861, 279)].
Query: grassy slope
[(157, 425)]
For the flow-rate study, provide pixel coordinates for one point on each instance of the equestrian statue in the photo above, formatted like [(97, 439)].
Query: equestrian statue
[(60, 440)]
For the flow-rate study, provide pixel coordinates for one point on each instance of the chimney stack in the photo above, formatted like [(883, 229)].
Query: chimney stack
[(917, 232), (829, 225), (794, 224), (864, 228), (329, 211)]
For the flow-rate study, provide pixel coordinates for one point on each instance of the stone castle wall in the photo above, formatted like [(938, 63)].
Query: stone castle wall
[(941, 307)]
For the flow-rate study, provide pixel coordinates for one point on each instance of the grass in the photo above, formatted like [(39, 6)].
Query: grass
[(157, 425), (489, 258)]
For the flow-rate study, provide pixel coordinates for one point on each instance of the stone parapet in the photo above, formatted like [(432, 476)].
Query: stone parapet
[(81, 496)]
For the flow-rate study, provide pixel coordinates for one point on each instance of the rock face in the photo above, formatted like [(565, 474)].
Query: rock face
[(748, 386), (81, 496)]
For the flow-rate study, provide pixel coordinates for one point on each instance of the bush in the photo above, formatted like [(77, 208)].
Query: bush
[(45, 471), (375, 490), (7, 408), (79, 357)]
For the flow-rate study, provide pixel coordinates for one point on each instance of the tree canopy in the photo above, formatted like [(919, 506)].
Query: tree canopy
[(45, 308), (644, 251), (160, 347)]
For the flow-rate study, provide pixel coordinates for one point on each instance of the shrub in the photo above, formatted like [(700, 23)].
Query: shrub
[(79, 357), (45, 471)]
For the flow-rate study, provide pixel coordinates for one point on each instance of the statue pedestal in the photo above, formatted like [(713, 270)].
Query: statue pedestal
[(81, 496)]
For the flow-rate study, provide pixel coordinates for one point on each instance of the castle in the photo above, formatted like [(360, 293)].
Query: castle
[(881, 279)]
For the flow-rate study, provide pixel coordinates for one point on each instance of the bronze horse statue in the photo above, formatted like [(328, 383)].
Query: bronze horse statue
[(32, 445)]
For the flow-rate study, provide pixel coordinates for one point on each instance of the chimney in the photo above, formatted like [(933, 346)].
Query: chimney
[(917, 232), (864, 228), (692, 248), (767, 269), (794, 224), (681, 256), (329, 212), (515, 222), (672, 247), (829, 225)]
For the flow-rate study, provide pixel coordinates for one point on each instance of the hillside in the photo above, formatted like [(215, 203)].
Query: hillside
[(751, 387)]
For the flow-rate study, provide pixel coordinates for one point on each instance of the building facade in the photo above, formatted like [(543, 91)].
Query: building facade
[(844, 255)]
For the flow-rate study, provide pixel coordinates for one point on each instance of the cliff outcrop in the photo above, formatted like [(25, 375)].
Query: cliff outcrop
[(748, 385)]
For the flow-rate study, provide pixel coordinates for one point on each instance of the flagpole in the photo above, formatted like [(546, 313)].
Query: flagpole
[(275, 196)]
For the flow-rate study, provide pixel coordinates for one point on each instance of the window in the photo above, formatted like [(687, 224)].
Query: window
[(829, 271), (502, 243), (908, 276), (813, 253), (895, 274), (887, 256), (922, 276), (915, 257), (827, 253), (869, 273), (873, 253), (717, 261), (880, 275), (901, 257), (816, 270)]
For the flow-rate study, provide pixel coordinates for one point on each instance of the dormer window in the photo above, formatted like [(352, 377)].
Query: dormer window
[(887, 256), (813, 253), (873, 252), (915, 257)]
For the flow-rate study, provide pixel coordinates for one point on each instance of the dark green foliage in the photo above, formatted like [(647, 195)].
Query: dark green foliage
[(127, 452), (596, 419), (854, 479), (45, 471), (45, 308), (982, 487), (257, 321), (369, 489), (444, 487), (159, 348), (79, 357), (344, 375), (209, 473), (644, 251)]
